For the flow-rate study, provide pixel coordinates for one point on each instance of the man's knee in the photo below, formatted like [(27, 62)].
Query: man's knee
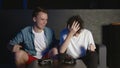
[(92, 54), (54, 51), (94, 57), (21, 56)]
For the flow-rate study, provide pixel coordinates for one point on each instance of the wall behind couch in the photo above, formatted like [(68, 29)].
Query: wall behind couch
[(11, 21), (94, 19)]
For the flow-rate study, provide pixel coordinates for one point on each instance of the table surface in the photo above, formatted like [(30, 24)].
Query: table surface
[(35, 64)]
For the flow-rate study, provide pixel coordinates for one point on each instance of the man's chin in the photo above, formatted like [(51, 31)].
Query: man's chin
[(42, 28)]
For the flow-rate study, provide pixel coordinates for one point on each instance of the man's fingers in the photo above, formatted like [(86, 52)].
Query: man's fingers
[(16, 48)]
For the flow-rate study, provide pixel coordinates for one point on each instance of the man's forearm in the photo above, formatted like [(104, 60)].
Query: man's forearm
[(66, 43)]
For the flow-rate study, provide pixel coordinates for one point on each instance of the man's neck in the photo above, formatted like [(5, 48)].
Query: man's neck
[(38, 30)]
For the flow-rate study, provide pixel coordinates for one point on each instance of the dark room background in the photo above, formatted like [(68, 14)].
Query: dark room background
[(16, 14), (60, 4)]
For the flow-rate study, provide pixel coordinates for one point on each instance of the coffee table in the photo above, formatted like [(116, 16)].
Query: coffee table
[(35, 64)]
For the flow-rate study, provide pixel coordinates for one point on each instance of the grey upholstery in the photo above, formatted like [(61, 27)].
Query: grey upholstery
[(101, 50)]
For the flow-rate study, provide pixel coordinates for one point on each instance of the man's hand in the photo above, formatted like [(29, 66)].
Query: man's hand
[(74, 28), (16, 48), (91, 48)]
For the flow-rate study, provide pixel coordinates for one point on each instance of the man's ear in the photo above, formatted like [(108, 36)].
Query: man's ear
[(34, 19)]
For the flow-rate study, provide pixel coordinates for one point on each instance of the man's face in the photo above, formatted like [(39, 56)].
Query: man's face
[(41, 20)]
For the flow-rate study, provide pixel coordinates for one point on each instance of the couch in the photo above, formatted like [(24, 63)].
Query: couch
[(101, 50)]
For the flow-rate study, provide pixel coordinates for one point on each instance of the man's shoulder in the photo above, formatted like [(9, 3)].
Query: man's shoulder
[(27, 28), (86, 31), (48, 29)]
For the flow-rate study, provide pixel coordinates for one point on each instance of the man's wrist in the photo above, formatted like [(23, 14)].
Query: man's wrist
[(71, 33)]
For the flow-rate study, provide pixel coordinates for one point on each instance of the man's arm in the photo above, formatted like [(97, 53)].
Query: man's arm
[(16, 48), (73, 29), (91, 47), (13, 45), (66, 42)]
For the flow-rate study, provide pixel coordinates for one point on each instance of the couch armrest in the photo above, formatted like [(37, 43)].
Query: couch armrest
[(102, 51)]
